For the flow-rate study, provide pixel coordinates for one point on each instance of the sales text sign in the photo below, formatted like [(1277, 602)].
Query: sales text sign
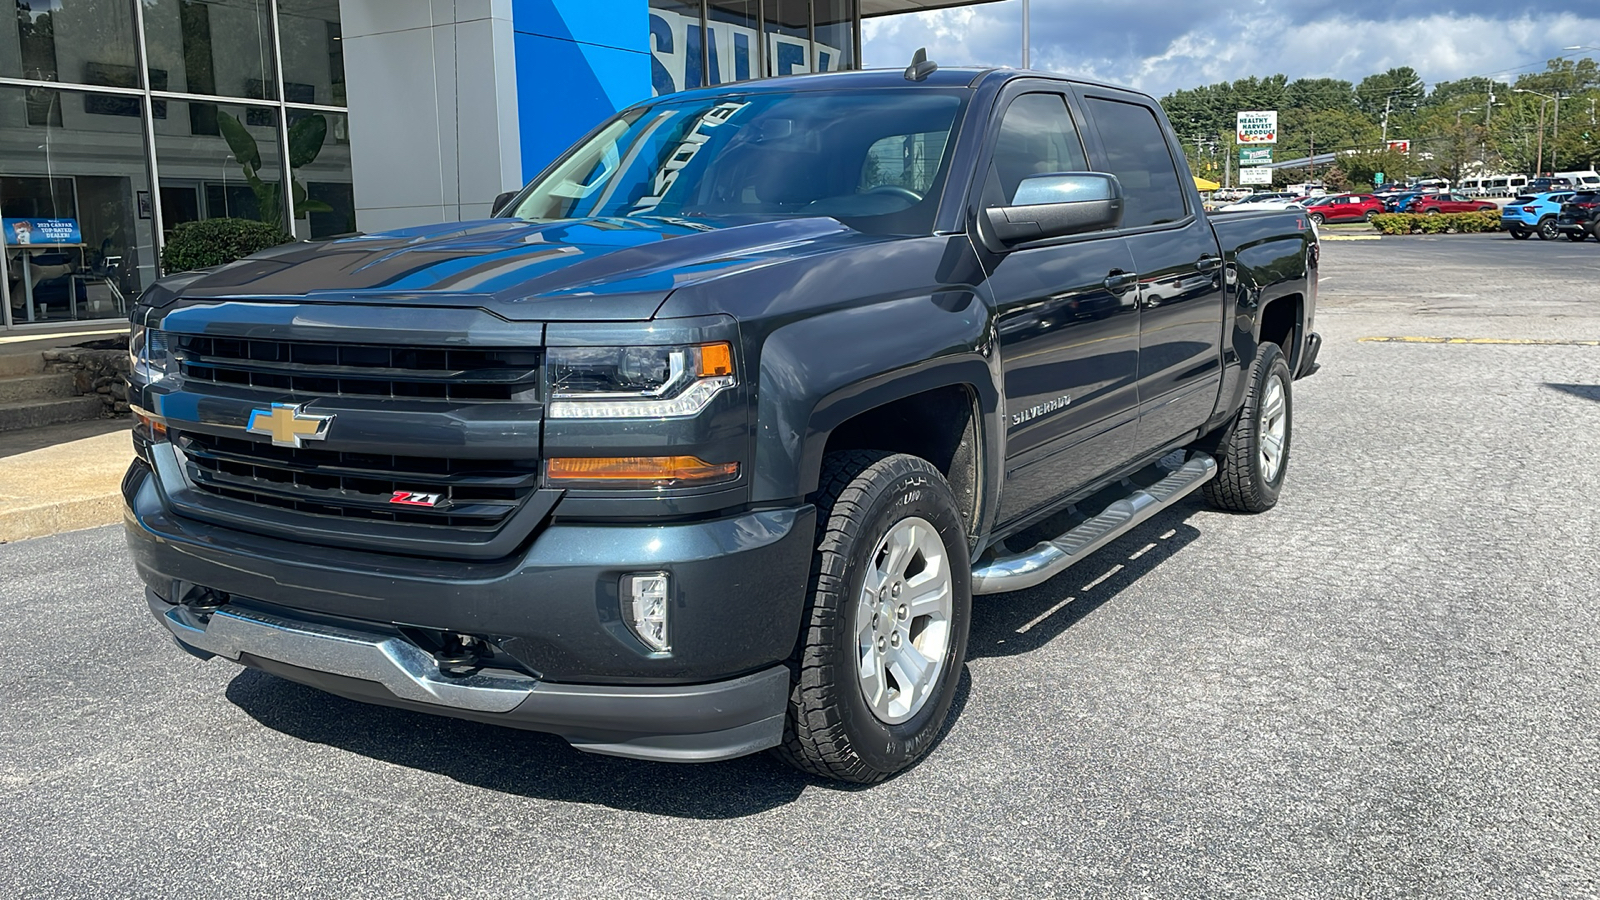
[(1258, 127)]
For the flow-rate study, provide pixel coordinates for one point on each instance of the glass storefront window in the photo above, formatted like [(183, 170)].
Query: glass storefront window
[(313, 51), (231, 172), (836, 36), (79, 41), (324, 191), (221, 48), (677, 46), (75, 206), (788, 26), (732, 41)]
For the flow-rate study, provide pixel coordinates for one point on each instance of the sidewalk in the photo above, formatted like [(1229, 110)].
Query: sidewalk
[(66, 485)]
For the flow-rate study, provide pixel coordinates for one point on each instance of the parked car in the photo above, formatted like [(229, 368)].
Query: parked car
[(1578, 218), (1344, 208), (1545, 184), (1434, 204), (702, 445), (1533, 214), (1401, 202), (1278, 200), (1583, 179)]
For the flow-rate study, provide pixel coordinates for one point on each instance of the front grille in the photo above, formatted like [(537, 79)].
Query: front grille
[(362, 370), (474, 493)]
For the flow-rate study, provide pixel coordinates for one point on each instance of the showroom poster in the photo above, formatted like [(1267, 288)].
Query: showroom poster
[(20, 232)]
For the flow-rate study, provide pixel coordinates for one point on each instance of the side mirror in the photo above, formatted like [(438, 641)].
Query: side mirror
[(501, 201), (1056, 205)]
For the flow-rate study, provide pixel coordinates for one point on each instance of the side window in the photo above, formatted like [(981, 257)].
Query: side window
[(904, 160), (1036, 137), (1136, 152)]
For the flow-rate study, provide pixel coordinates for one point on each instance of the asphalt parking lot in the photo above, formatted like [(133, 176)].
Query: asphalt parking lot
[(1386, 687)]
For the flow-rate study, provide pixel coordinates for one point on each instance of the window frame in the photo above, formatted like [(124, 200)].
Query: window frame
[(1009, 93), (1097, 153)]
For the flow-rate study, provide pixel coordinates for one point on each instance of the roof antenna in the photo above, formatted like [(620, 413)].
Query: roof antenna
[(921, 67)]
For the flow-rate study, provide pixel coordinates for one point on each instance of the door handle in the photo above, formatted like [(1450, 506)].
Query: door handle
[(1209, 264), (1121, 282)]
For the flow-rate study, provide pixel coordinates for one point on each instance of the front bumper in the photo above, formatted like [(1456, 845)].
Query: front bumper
[(343, 620), (688, 723)]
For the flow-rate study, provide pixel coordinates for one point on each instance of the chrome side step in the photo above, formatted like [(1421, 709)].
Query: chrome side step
[(1050, 558)]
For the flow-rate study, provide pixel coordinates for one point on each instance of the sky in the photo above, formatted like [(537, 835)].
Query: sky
[(1159, 46)]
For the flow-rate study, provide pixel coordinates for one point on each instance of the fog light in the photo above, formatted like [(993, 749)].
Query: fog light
[(645, 597)]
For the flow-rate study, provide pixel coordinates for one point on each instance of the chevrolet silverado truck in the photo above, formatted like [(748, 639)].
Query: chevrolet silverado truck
[(703, 443)]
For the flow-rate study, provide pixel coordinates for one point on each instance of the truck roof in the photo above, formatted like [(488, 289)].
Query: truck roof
[(967, 77)]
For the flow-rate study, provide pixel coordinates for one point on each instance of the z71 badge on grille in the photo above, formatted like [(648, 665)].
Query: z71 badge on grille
[(289, 425), (414, 498)]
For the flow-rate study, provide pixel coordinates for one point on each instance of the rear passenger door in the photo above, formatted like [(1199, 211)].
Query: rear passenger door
[(1067, 322), (1179, 265)]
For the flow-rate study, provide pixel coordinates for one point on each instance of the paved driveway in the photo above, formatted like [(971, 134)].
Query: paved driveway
[(1385, 687)]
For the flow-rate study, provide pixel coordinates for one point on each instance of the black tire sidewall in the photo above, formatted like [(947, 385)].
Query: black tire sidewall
[(886, 747), (1270, 361)]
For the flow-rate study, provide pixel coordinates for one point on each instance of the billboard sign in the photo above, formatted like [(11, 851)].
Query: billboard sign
[(1258, 175), (1400, 146), (1258, 127), (1255, 156)]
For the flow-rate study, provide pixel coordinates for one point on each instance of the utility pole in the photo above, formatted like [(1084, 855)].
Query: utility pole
[(1538, 155), (1313, 176), (1026, 60), (1388, 100), (1555, 139)]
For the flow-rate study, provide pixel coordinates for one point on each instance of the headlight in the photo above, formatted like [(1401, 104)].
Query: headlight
[(636, 382), (148, 358)]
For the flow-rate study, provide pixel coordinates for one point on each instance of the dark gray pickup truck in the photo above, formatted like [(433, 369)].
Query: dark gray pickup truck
[(703, 444)]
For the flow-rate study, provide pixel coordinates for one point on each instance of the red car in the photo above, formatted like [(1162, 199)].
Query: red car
[(1433, 204), (1344, 208)]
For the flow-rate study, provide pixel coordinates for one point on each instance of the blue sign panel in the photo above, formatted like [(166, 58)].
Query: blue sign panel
[(19, 232)]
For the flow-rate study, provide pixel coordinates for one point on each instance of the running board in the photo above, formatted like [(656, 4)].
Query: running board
[(1050, 558)]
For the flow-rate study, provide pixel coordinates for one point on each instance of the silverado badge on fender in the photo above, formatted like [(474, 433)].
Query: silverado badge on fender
[(289, 425)]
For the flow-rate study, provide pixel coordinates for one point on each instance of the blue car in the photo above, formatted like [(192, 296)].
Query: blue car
[(1534, 214)]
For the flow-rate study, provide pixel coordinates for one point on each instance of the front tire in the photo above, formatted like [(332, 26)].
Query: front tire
[(885, 634), (1316, 218), (1577, 236), (1253, 455), (1520, 234)]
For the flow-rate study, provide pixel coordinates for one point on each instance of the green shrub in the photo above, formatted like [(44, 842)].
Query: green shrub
[(215, 242), (1444, 223)]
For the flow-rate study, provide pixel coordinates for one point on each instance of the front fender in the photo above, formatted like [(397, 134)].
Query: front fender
[(819, 372)]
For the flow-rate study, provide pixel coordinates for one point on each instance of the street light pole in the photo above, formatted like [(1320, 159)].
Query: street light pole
[(1027, 62)]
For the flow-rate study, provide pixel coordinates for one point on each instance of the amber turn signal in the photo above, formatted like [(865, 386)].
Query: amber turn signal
[(716, 359), (639, 471)]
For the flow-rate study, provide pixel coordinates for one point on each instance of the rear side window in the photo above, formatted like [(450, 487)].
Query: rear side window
[(1036, 137), (1137, 153)]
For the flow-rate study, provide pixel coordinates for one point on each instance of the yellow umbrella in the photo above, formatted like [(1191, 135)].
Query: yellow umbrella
[(1200, 184)]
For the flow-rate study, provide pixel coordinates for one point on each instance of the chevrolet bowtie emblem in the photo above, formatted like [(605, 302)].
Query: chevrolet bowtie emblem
[(289, 425)]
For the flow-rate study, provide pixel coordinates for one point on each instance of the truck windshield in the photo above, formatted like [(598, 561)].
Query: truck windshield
[(875, 160)]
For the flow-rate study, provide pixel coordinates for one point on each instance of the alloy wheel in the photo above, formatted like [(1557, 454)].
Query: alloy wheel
[(903, 620), (1274, 429)]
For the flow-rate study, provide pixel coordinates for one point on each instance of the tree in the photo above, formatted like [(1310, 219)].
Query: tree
[(1316, 94), (1395, 94)]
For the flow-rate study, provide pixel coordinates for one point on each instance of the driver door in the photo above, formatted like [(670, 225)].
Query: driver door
[(1067, 320)]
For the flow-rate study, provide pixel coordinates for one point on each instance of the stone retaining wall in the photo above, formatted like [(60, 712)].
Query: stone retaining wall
[(97, 369)]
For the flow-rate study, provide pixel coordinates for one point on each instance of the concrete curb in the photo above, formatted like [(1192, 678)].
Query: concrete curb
[(66, 487)]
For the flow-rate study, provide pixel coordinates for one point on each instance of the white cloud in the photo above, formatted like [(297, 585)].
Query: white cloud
[(1162, 45)]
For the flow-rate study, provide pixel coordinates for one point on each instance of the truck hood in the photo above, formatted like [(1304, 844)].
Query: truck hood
[(577, 270)]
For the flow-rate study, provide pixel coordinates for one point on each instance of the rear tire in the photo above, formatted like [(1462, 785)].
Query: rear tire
[(1253, 454), (873, 678), (1546, 229)]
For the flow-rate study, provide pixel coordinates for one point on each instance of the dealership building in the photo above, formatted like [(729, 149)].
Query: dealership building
[(122, 119)]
